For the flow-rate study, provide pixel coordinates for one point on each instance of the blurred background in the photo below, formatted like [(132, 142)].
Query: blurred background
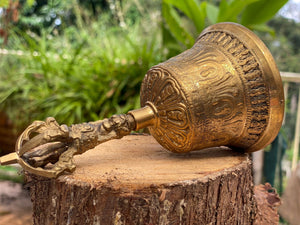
[(81, 61)]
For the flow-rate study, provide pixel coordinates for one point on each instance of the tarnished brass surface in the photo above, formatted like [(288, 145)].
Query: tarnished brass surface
[(225, 90)]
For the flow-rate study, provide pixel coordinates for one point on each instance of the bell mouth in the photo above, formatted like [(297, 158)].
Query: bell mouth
[(271, 78)]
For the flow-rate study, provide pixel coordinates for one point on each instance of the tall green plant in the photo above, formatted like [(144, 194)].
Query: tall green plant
[(184, 20), (81, 75)]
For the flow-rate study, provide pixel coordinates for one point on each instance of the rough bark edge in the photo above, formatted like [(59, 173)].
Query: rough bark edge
[(227, 197), (268, 202)]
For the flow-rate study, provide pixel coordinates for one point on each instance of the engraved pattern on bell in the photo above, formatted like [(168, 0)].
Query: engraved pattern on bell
[(226, 82), (174, 129), (249, 70)]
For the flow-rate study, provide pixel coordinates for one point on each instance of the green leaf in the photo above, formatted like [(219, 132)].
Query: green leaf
[(264, 28), (173, 23), (30, 2), (197, 14), (203, 14), (261, 11), (181, 5), (230, 11), (212, 12), (192, 10), (5, 94), (223, 8), (4, 3)]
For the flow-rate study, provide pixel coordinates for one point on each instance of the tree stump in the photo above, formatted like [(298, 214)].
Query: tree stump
[(135, 181)]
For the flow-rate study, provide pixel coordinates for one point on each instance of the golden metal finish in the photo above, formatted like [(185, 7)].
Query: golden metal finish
[(225, 90), (144, 117), (9, 159)]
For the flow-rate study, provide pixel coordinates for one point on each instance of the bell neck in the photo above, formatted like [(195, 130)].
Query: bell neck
[(145, 117)]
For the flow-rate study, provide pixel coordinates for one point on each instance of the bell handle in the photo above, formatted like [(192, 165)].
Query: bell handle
[(8, 159), (94, 133), (57, 144), (145, 117)]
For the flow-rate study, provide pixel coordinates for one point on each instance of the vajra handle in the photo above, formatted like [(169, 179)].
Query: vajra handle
[(46, 148)]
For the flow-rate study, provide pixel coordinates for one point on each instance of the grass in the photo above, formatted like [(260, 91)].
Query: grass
[(11, 173), (77, 75)]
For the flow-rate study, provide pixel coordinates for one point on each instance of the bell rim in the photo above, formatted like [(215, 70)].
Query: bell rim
[(268, 65)]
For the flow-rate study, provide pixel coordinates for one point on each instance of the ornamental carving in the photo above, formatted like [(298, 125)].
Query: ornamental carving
[(163, 91)]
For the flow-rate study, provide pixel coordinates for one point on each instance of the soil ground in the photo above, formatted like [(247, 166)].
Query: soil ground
[(15, 204)]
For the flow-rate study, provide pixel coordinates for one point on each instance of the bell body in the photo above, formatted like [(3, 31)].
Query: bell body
[(225, 90)]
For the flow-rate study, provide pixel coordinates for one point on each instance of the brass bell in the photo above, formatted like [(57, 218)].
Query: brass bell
[(224, 91)]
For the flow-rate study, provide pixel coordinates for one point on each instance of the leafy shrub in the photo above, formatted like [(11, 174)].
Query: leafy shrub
[(184, 20), (79, 75)]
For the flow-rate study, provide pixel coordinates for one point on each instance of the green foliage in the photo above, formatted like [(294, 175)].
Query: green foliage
[(174, 28), (184, 20), (4, 3), (178, 31), (285, 46), (191, 9), (78, 75), (261, 11), (11, 173), (230, 10)]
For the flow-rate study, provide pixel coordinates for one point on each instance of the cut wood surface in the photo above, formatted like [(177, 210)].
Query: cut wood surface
[(135, 181)]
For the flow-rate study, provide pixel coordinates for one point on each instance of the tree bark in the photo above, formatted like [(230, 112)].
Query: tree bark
[(8, 135), (268, 202), (135, 181)]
